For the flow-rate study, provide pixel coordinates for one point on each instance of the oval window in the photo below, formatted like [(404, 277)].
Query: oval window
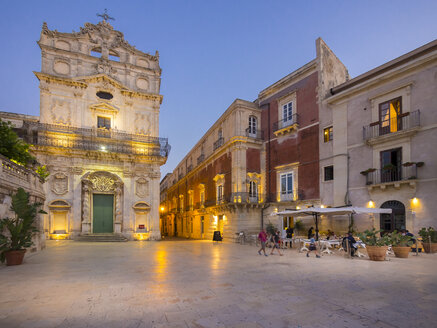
[(104, 95)]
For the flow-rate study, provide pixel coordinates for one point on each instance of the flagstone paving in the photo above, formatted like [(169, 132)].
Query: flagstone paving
[(200, 284)]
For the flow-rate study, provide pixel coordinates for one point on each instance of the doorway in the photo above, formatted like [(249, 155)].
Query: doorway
[(394, 220), (103, 213)]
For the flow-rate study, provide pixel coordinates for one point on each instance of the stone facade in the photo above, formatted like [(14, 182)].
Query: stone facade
[(98, 132), (12, 177), (384, 127)]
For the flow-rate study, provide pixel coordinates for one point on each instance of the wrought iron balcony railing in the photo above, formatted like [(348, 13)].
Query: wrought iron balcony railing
[(402, 122), (287, 196), (394, 174), (289, 121), (254, 133), (220, 141), (104, 140), (245, 197)]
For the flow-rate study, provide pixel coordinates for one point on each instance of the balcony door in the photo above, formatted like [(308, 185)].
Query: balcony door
[(391, 165), (389, 116)]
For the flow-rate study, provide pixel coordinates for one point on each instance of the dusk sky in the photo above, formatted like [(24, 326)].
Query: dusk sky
[(212, 52)]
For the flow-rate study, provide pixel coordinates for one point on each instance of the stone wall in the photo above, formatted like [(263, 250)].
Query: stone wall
[(12, 177)]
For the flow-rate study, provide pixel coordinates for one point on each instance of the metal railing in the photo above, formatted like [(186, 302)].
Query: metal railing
[(290, 120), (391, 175), (189, 168), (254, 133), (287, 197), (217, 144), (245, 197), (94, 139), (402, 122)]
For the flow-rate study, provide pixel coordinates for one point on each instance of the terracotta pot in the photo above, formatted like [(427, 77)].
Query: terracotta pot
[(430, 247), (15, 257), (401, 251), (376, 253)]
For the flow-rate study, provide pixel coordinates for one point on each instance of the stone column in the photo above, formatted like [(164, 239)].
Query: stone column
[(118, 209), (86, 219)]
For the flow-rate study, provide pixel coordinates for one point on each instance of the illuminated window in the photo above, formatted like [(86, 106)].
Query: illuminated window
[(389, 120), (327, 134), (103, 122), (329, 173), (286, 180), (202, 197), (253, 189)]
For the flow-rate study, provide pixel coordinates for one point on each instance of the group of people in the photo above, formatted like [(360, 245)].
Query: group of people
[(275, 238)]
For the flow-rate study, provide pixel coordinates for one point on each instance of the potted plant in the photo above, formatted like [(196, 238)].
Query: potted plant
[(376, 246), (298, 226), (429, 239), (16, 233), (366, 172), (389, 167), (401, 244)]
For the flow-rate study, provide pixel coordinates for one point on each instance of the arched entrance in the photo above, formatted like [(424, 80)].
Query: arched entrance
[(102, 195), (395, 220)]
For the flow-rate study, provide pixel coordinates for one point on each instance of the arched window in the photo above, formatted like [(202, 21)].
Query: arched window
[(253, 189), (252, 126), (395, 220)]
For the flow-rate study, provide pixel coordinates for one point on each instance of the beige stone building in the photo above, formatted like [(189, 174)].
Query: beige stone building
[(98, 134), (218, 185), (377, 144)]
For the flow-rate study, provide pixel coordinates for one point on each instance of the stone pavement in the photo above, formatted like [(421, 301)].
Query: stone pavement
[(200, 284)]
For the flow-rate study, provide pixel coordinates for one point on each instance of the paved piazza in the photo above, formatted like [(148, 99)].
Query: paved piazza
[(183, 283)]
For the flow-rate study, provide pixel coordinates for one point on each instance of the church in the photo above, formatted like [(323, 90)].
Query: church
[(98, 135)]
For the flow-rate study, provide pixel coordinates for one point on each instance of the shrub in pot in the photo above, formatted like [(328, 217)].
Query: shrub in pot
[(429, 239), (401, 244), (376, 246), (16, 233)]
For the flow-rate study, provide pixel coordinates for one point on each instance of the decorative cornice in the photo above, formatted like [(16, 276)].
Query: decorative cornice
[(59, 80), (148, 96)]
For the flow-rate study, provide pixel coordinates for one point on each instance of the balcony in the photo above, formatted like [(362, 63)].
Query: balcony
[(220, 141), (287, 197), (246, 198), (189, 208), (394, 176), (93, 139), (200, 159), (405, 124), (200, 205), (257, 134), (189, 168), (286, 125)]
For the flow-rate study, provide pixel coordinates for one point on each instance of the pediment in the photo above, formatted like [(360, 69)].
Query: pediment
[(105, 107), (101, 79)]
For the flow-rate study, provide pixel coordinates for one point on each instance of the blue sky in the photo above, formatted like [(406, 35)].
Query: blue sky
[(212, 52)]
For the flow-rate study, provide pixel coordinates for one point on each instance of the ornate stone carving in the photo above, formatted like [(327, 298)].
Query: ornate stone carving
[(118, 207), (142, 123), (142, 187), (103, 183), (60, 183), (104, 66), (60, 112), (86, 204)]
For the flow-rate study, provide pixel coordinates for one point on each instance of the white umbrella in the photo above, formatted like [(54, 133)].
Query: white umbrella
[(316, 211)]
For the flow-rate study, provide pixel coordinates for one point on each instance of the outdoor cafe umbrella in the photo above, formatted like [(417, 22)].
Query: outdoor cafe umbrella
[(317, 211)]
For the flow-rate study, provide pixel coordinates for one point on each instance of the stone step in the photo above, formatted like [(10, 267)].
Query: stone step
[(102, 238)]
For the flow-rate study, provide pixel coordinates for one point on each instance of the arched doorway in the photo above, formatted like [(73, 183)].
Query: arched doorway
[(395, 220)]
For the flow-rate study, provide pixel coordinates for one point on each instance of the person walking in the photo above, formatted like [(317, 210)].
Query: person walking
[(262, 236), (276, 243), (312, 247)]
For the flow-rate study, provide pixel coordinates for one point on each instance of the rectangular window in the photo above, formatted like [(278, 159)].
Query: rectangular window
[(327, 134), (202, 197), (391, 165), (329, 173), (253, 189), (219, 193), (389, 112), (287, 112), (103, 122), (286, 192)]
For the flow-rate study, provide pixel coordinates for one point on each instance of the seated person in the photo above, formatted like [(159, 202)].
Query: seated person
[(349, 242)]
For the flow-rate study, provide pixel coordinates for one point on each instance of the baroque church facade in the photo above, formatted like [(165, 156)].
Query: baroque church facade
[(97, 133)]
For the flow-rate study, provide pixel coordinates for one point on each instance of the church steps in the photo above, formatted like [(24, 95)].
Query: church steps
[(102, 238)]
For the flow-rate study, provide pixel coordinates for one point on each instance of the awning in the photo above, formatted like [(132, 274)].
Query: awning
[(315, 212)]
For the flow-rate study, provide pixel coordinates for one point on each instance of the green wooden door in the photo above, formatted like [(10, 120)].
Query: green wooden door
[(103, 213)]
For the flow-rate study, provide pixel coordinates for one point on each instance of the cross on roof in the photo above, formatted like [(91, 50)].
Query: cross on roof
[(105, 16)]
